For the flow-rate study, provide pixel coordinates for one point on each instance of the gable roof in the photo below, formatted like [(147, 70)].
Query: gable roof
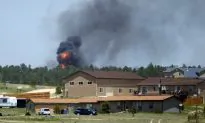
[(170, 81), (100, 99), (188, 72), (111, 75)]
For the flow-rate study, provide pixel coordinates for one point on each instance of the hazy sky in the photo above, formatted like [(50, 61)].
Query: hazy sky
[(166, 32), (25, 36)]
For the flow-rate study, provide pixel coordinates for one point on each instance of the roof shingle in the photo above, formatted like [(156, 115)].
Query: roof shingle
[(112, 75), (98, 99), (170, 81)]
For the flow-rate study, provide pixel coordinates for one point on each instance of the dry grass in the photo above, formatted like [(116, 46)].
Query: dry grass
[(17, 116)]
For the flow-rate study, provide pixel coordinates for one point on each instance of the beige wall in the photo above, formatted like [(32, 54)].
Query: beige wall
[(77, 90), (110, 86), (203, 75), (178, 74), (114, 91)]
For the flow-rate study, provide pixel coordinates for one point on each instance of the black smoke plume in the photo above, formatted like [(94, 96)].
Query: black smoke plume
[(136, 32), (71, 45)]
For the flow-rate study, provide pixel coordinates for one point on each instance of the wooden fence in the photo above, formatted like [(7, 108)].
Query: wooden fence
[(193, 101), (42, 95)]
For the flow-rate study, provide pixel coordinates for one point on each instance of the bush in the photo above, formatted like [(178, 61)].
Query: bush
[(27, 114), (105, 108), (133, 111), (57, 109)]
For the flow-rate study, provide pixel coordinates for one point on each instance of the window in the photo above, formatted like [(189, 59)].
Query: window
[(120, 90), (89, 83), (130, 90), (71, 83), (80, 83), (101, 89), (4, 101)]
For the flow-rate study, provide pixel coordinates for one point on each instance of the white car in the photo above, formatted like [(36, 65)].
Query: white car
[(44, 111)]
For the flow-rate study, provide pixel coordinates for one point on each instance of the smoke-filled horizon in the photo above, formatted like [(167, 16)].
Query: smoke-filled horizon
[(137, 32)]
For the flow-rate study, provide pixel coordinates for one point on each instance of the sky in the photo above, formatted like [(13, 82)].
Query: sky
[(26, 31), (167, 32)]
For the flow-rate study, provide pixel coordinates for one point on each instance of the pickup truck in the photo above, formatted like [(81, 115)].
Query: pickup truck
[(44, 111)]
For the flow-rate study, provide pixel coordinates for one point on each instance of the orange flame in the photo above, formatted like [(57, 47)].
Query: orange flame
[(63, 66), (65, 55)]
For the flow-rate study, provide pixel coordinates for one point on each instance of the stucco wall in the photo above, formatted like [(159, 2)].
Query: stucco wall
[(78, 90)]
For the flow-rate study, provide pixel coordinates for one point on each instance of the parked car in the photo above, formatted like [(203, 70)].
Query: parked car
[(85, 111), (44, 111)]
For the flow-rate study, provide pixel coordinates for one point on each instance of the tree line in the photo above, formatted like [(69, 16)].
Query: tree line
[(25, 74)]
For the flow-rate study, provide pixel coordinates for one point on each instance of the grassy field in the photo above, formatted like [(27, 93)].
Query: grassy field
[(13, 88), (17, 116)]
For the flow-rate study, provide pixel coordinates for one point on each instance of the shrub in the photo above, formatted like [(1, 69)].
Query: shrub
[(27, 114), (105, 108), (133, 111), (57, 109), (1, 114)]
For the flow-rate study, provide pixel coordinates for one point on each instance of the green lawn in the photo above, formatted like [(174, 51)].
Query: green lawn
[(17, 116)]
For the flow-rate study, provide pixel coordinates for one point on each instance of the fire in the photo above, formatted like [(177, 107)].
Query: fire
[(65, 55), (63, 66)]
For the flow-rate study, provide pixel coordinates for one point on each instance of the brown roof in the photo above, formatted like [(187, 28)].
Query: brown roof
[(63, 101), (97, 99), (134, 98), (113, 75), (170, 81)]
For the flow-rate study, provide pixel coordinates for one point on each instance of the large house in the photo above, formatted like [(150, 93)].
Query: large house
[(101, 83), (183, 72), (172, 85)]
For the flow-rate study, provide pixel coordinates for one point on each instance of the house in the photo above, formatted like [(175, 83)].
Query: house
[(202, 74), (182, 72), (160, 103), (172, 85), (100, 83)]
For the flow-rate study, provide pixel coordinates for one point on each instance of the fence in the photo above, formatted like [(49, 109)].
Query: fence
[(42, 95), (193, 101)]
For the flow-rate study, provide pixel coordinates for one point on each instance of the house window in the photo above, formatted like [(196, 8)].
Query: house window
[(80, 83), (130, 90), (120, 90), (4, 101), (89, 83), (101, 89), (71, 83)]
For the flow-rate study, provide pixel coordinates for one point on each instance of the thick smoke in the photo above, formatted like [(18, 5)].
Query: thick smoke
[(71, 45), (136, 32)]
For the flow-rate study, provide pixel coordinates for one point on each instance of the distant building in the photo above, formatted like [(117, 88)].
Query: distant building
[(101, 83), (182, 72), (172, 85)]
